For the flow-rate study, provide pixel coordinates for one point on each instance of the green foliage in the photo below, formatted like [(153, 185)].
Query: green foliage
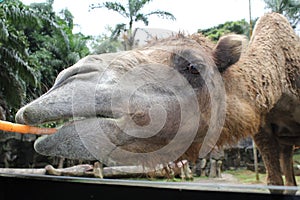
[(53, 46), (35, 45), (238, 27), (289, 8), (132, 11), (15, 72), (104, 43)]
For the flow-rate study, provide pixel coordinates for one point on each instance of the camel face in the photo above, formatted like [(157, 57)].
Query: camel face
[(150, 105)]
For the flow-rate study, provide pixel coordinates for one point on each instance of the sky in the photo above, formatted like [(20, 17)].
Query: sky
[(190, 15)]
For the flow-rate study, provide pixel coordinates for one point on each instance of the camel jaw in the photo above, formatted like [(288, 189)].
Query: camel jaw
[(78, 141), (108, 140)]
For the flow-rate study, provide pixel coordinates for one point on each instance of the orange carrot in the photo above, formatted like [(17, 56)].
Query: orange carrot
[(26, 129)]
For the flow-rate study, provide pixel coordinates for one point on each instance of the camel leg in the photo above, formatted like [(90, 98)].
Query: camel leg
[(269, 150), (286, 161)]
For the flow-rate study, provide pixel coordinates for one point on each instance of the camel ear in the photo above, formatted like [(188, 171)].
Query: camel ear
[(228, 50)]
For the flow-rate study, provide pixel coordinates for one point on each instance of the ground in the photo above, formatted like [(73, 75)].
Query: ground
[(243, 176), (240, 180)]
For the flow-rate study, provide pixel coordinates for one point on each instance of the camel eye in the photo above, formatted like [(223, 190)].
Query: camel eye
[(192, 69)]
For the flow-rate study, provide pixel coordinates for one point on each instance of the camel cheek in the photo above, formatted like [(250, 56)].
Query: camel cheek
[(141, 118)]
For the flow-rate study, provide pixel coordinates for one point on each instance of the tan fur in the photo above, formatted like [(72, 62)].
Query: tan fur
[(256, 83), (228, 50), (262, 90)]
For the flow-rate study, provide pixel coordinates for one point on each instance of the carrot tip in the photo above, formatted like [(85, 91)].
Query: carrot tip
[(25, 129)]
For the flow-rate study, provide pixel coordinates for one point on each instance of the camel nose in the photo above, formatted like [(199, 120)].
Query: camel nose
[(28, 115), (19, 116)]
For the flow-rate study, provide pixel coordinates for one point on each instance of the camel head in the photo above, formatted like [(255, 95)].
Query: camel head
[(150, 105)]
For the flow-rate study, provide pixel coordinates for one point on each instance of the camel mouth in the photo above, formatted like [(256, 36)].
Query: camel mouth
[(74, 137), (59, 124)]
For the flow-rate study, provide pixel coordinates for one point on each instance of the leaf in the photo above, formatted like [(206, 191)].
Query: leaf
[(162, 14), (3, 31), (18, 66), (11, 88)]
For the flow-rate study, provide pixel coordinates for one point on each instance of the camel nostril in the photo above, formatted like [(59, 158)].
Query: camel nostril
[(28, 115)]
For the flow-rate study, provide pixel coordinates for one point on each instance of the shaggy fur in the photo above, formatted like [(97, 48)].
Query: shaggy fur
[(264, 98)]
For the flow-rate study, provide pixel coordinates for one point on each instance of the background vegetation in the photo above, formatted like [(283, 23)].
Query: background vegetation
[(35, 45)]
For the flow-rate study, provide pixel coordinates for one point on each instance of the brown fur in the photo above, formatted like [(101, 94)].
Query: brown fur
[(223, 54), (260, 83), (228, 50), (262, 87), (263, 93)]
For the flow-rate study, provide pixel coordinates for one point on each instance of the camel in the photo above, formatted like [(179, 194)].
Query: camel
[(178, 97)]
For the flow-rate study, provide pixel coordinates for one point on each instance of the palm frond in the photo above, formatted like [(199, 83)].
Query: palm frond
[(162, 14), (140, 4), (143, 18), (11, 88), (3, 31), (114, 6), (117, 31), (16, 41), (10, 59), (19, 14)]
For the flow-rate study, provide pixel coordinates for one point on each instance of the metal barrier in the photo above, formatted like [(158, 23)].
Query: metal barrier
[(17, 186)]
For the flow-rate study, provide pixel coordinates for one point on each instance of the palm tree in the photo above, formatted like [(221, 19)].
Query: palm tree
[(53, 46), (133, 12), (15, 72), (35, 45)]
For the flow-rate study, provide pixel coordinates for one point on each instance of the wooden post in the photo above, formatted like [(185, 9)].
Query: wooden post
[(250, 20), (253, 144), (255, 161)]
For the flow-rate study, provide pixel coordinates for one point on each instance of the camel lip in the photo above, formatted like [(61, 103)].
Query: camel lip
[(78, 119), (59, 124), (78, 131)]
